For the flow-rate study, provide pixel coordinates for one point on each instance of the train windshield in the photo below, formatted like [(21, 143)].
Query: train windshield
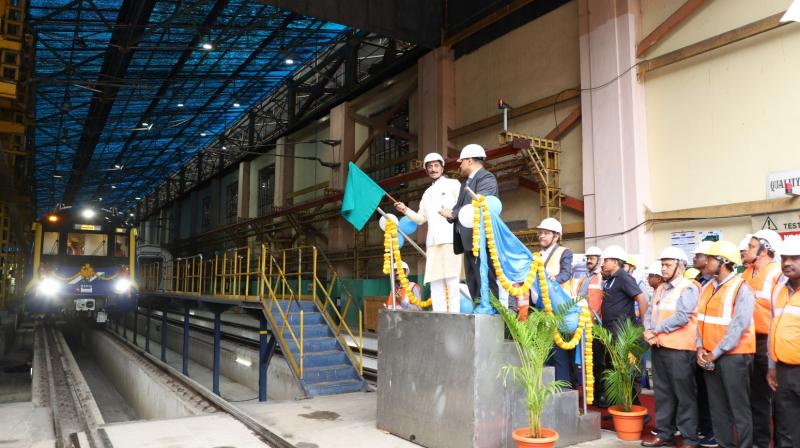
[(92, 244)]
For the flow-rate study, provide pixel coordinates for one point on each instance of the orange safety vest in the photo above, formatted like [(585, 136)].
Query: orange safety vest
[(401, 294), (595, 293), (784, 342), (714, 313), (763, 283), (665, 305)]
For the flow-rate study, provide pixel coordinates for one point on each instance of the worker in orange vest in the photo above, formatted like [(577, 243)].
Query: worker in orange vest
[(401, 299), (726, 342), (671, 330), (762, 276), (591, 286), (784, 347)]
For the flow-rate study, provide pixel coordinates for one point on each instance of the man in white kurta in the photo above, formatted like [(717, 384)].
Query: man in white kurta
[(442, 266)]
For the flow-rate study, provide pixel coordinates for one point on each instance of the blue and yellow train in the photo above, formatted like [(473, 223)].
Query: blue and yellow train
[(83, 262)]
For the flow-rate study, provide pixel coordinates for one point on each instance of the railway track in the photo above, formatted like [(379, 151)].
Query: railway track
[(77, 420)]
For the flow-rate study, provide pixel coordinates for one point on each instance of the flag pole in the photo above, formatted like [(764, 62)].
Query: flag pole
[(408, 238)]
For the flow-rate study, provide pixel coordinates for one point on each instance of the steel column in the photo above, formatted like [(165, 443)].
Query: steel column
[(262, 358), (186, 339), (135, 324), (164, 334), (215, 372), (147, 331)]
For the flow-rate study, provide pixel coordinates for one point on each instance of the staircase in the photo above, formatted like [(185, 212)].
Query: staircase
[(326, 368)]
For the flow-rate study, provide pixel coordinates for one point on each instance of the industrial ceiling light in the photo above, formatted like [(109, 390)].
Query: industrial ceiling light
[(387, 137), (138, 198), (289, 61), (145, 124), (113, 187), (208, 46), (132, 215), (117, 166), (180, 104), (224, 147), (88, 213), (237, 105), (203, 134)]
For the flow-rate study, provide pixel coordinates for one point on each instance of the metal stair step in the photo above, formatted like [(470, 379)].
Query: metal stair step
[(310, 331), (337, 372), (326, 358), (335, 387), (311, 345)]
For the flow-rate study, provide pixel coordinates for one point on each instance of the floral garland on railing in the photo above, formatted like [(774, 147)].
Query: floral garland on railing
[(584, 320), (391, 244)]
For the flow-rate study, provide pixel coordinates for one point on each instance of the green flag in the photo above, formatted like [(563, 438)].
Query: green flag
[(361, 197)]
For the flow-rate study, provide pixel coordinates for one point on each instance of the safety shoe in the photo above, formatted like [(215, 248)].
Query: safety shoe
[(658, 442), (708, 442)]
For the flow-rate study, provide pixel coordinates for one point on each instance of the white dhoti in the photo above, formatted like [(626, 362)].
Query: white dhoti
[(442, 271)]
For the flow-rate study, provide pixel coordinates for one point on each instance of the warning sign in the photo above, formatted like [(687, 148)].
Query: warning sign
[(785, 224)]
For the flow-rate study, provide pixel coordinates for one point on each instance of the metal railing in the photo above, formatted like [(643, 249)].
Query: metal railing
[(278, 280)]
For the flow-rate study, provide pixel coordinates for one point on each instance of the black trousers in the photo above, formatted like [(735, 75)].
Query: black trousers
[(761, 395), (729, 397), (704, 424), (472, 270), (675, 392), (787, 406)]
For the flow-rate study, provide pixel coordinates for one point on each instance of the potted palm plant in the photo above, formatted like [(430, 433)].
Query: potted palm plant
[(533, 339), (625, 349)]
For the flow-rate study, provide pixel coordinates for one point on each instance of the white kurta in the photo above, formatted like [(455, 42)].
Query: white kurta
[(441, 262)]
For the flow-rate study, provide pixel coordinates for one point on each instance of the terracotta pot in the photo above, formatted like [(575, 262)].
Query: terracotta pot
[(548, 441), (629, 425)]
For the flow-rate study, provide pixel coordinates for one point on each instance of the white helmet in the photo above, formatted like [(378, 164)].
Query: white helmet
[(432, 157), (406, 268), (703, 247), (745, 241), (791, 247), (673, 253), (769, 239), (594, 251), (471, 151), (615, 252), (654, 269), (550, 224)]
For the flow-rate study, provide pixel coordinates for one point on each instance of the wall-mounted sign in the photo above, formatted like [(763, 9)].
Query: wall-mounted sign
[(776, 183), (785, 224)]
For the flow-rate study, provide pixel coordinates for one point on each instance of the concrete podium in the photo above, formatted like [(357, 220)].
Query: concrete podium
[(439, 386)]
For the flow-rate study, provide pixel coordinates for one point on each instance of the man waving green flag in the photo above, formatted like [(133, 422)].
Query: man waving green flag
[(361, 197)]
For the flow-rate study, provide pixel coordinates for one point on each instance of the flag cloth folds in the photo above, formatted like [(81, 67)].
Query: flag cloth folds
[(361, 197)]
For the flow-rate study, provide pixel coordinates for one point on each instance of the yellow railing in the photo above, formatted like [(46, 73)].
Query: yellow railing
[(275, 278)]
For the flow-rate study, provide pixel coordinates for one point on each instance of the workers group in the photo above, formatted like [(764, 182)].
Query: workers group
[(724, 333)]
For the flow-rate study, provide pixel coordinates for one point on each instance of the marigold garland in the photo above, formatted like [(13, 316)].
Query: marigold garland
[(391, 244), (537, 267)]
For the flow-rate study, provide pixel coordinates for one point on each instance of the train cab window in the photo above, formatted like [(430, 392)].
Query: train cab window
[(120, 246), (50, 243), (93, 244)]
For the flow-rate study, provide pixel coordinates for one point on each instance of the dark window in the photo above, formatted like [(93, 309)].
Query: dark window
[(232, 195), (205, 216), (266, 189), (389, 155)]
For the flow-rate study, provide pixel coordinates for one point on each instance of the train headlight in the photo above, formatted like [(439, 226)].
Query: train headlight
[(49, 287), (122, 286)]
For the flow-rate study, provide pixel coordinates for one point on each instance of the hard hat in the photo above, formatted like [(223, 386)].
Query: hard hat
[(615, 252), (745, 241), (550, 224), (405, 267), (769, 238), (631, 261), (471, 151), (673, 253), (727, 250), (703, 247), (654, 269), (791, 247), (691, 273), (594, 251), (432, 157)]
